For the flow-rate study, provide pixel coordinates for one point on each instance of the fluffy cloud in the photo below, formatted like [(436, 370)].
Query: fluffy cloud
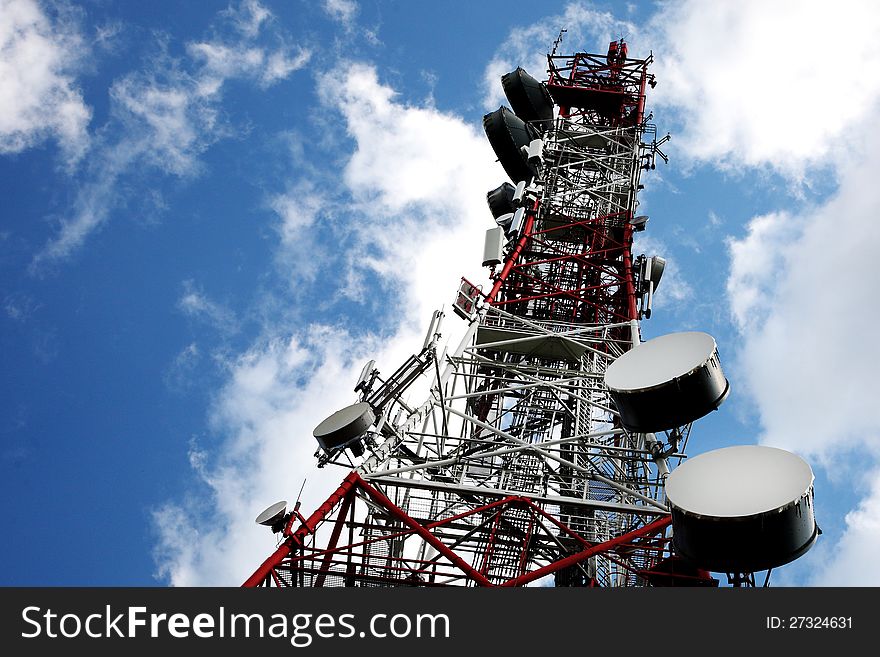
[(414, 217), (39, 57), (266, 410), (757, 261), (801, 279), (248, 17), (418, 178), (766, 83), (801, 289), (194, 303), (854, 558), (221, 62), (752, 83), (344, 11), (166, 116)]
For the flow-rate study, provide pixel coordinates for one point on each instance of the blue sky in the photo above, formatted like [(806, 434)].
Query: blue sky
[(214, 213)]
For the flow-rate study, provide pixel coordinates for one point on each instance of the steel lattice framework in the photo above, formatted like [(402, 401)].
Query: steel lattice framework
[(516, 467)]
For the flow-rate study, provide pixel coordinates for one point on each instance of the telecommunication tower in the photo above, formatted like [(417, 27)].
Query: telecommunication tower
[(542, 451)]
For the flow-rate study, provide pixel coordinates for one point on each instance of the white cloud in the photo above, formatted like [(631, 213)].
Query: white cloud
[(194, 303), (167, 123), (754, 83), (221, 62), (414, 216), (802, 279), (407, 155), (766, 83), (248, 17), (90, 209), (298, 209), (854, 558), (344, 11), (757, 261), (281, 63), (801, 290), (39, 57), (419, 177), (302, 255), (107, 37), (159, 121), (164, 118), (20, 307), (178, 376), (267, 413)]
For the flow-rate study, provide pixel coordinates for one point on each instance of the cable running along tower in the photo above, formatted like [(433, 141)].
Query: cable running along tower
[(543, 448)]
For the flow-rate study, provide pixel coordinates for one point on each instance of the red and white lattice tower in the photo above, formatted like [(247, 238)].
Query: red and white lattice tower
[(516, 468)]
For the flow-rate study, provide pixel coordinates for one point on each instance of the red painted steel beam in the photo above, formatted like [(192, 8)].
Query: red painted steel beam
[(560, 525), (432, 540), (515, 254), (315, 554), (573, 559), (296, 539), (575, 535), (334, 538), (490, 543), (265, 570), (628, 275)]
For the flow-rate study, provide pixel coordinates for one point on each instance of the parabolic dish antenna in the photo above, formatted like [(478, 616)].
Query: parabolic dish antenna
[(667, 382), (344, 426), (742, 509), (273, 514)]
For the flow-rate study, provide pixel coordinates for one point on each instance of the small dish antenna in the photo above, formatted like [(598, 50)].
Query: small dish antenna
[(274, 516), (639, 223), (345, 428)]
